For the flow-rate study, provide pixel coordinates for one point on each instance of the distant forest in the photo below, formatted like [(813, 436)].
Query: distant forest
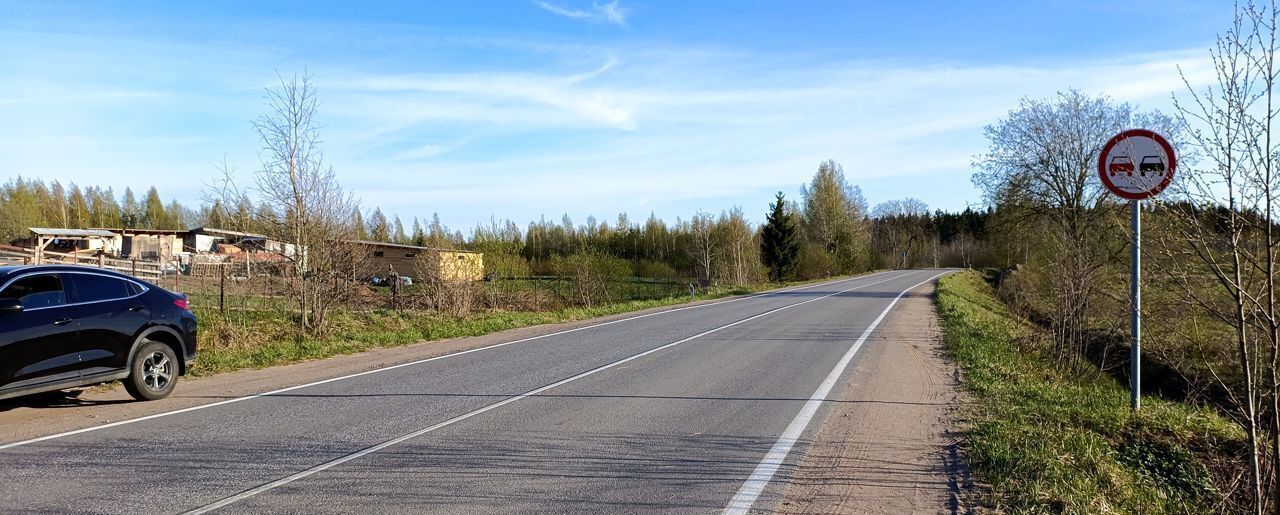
[(835, 231)]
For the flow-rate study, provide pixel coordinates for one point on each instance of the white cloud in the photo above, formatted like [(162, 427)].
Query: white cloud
[(710, 132), (427, 151), (496, 98), (647, 127), (611, 12)]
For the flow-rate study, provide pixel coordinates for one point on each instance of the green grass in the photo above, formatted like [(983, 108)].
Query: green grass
[(264, 338), (1048, 441)]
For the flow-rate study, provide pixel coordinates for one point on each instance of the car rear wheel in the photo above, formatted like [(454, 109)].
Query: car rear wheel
[(154, 372)]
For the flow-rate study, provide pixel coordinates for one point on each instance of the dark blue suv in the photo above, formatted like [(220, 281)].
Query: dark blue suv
[(63, 326)]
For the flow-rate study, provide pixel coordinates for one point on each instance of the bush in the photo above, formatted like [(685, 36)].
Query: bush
[(591, 273), (655, 270), (815, 263), (506, 265)]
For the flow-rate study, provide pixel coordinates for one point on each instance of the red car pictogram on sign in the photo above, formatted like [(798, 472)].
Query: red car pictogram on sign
[(1121, 164)]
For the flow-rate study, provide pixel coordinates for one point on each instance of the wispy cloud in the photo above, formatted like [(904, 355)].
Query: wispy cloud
[(611, 12), (571, 94), (592, 128), (709, 131)]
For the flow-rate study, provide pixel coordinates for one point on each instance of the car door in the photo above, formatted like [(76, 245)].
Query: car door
[(38, 344), (109, 311)]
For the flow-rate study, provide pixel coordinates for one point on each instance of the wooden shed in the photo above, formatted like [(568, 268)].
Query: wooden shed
[(422, 262), (72, 240), (159, 245)]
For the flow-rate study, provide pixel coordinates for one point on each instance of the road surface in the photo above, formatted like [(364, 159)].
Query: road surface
[(705, 408)]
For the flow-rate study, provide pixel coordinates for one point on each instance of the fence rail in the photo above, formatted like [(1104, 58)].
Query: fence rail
[(20, 256)]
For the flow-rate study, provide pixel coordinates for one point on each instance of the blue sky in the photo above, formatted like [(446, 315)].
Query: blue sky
[(521, 109)]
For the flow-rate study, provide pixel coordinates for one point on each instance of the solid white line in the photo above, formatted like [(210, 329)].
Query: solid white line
[(409, 364), (760, 477), (375, 448)]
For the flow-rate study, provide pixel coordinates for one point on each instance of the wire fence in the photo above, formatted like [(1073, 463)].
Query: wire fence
[(231, 289)]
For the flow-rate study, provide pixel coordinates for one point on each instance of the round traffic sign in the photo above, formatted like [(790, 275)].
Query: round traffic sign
[(1137, 164)]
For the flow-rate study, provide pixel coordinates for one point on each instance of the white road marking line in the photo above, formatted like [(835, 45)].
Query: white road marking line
[(409, 364), (763, 473), (375, 448)]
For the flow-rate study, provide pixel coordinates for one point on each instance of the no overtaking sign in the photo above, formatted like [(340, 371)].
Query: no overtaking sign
[(1137, 164)]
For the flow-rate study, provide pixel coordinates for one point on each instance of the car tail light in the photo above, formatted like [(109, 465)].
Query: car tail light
[(182, 303)]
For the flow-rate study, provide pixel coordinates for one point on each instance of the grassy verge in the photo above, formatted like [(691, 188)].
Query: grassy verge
[(1049, 441), (260, 339)]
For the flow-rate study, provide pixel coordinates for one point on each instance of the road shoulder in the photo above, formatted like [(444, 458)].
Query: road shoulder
[(890, 444)]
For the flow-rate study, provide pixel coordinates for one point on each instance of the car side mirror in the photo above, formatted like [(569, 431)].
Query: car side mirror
[(10, 305)]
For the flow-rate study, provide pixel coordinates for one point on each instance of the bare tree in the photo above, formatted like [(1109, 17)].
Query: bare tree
[(316, 211), (739, 246), (221, 192), (1227, 263), (704, 244), (1041, 170), (900, 229)]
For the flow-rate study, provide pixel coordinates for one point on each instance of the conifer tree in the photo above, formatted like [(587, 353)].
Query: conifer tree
[(419, 234), (779, 246)]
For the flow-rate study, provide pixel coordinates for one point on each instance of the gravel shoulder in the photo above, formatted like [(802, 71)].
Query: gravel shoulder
[(890, 443)]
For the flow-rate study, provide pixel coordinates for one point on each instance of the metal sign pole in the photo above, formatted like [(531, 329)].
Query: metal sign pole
[(1135, 287), (1155, 162)]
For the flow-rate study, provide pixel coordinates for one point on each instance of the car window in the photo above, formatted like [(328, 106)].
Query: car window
[(92, 288), (36, 291)]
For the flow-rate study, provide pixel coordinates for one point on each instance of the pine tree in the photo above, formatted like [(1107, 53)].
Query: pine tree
[(215, 216), (153, 213), (419, 234), (779, 246)]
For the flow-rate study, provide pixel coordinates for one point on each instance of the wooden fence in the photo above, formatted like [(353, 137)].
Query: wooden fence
[(10, 255)]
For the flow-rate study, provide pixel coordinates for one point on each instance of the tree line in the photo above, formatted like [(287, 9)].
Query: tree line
[(33, 203), (829, 229), (293, 195)]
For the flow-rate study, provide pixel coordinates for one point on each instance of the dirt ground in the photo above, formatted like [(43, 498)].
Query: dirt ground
[(889, 445)]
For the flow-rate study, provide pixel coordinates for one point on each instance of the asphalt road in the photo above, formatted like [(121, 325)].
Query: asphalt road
[(687, 410)]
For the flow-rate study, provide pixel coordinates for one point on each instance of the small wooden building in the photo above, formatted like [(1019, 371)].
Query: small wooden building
[(89, 241), (422, 262), (148, 244)]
